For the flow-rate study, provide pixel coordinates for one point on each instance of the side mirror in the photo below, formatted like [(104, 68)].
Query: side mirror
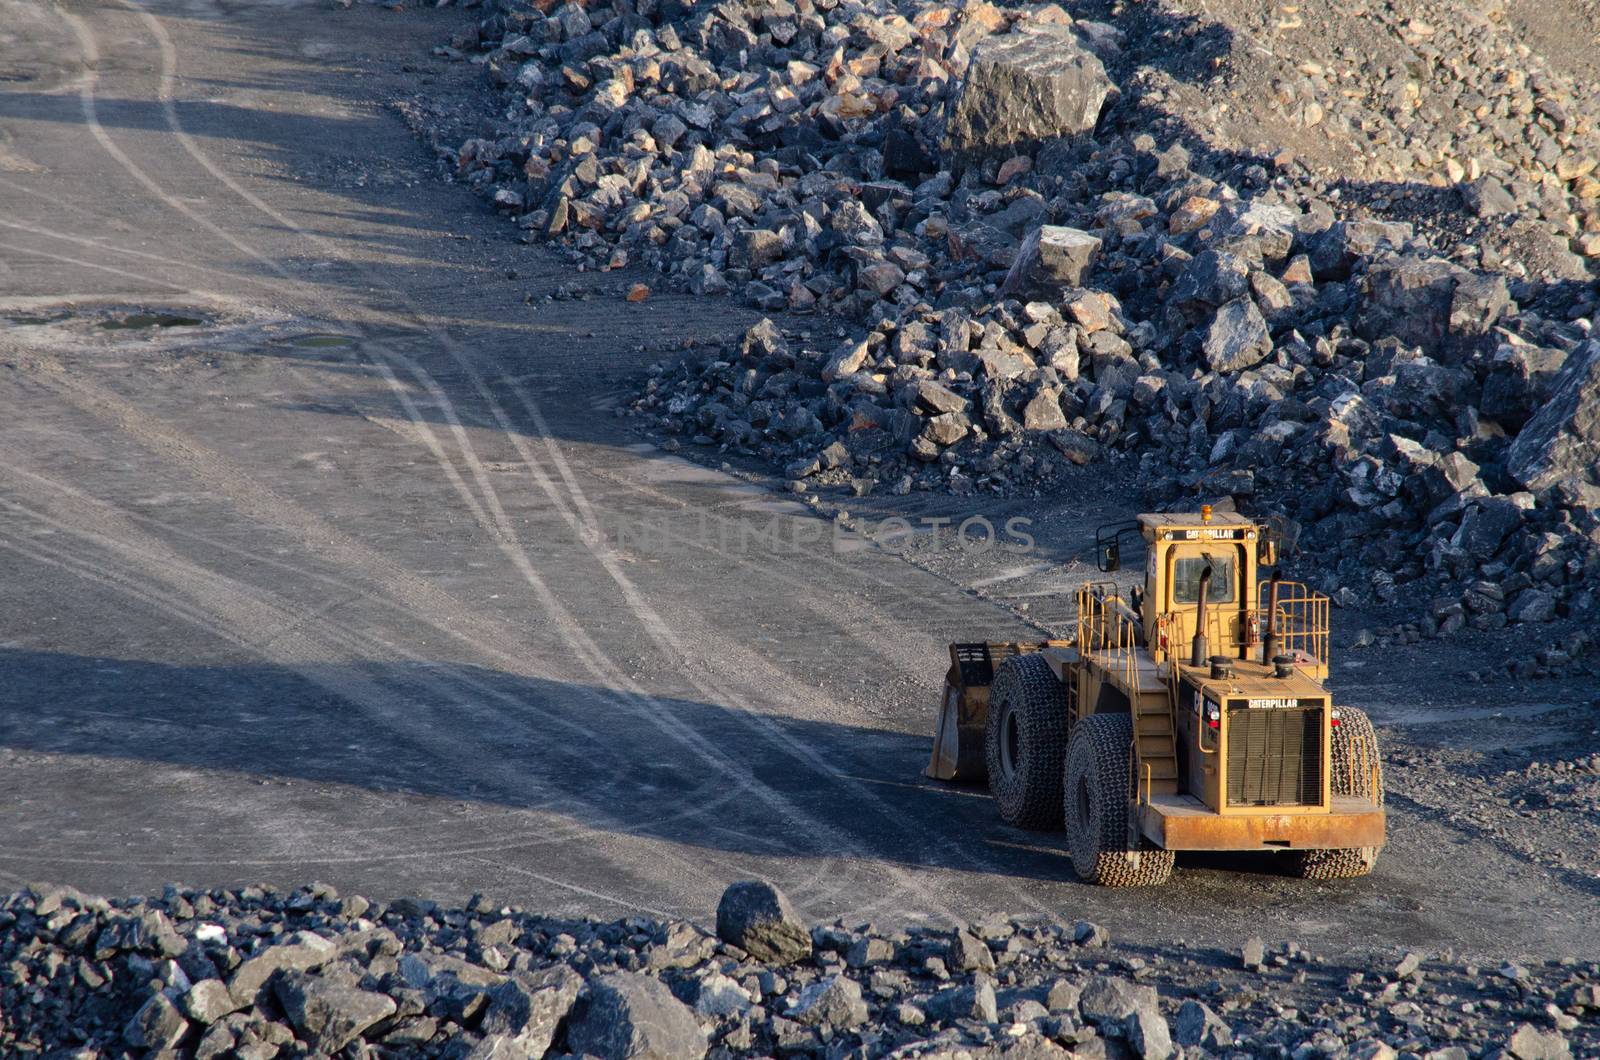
[(1267, 550), (1112, 560)]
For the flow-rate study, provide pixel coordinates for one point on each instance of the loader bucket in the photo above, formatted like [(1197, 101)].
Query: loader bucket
[(958, 731)]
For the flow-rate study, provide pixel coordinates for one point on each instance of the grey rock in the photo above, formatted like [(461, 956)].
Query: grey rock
[(721, 997), (1237, 338), (1530, 1043), (499, 1047), (757, 917), (530, 1007), (682, 944), (1076, 446), (1449, 475), (330, 1014), (1197, 1025), (869, 951), (147, 931), (1254, 953), (1532, 605), (972, 1002), (835, 1001), (1519, 382), (1022, 88), (1043, 411), (708, 280), (1062, 996), (1345, 242), (1088, 933), (947, 428), (158, 1025), (1111, 999), (1211, 279), (1486, 526), (1413, 299), (1478, 304), (846, 360), (208, 1001), (764, 342), (248, 984), (1050, 259), (909, 1014), (1487, 197), (968, 953), (1148, 1034), (1561, 443), (625, 1016), (937, 398)]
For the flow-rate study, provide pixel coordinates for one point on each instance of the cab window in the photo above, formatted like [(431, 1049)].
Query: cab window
[(1186, 579)]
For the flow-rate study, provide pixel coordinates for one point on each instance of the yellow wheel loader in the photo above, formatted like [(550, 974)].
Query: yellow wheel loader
[(1189, 714)]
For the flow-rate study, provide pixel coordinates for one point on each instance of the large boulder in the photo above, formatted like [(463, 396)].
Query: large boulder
[(1050, 259), (626, 1016), (1237, 338), (1023, 88), (1413, 299), (327, 1013), (1519, 382), (1561, 444), (529, 1007), (1212, 279), (1334, 251), (157, 1026), (1486, 526), (756, 917), (249, 983)]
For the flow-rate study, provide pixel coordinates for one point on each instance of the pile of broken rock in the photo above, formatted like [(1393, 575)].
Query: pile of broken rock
[(256, 974), (1038, 282)]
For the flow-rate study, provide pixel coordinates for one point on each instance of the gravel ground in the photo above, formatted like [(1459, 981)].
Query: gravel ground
[(258, 973)]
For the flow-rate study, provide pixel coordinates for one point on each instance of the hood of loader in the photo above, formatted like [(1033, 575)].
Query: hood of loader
[(1262, 688)]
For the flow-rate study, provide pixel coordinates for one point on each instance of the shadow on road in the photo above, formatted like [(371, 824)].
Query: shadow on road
[(687, 772), (675, 769)]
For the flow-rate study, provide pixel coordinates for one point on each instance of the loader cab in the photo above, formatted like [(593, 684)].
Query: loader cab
[(1180, 547)]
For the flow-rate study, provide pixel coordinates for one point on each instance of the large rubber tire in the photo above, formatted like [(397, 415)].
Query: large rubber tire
[(1096, 805), (1026, 741), (1356, 769)]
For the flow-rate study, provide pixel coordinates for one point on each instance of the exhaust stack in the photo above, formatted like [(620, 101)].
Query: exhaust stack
[(1269, 644), (1199, 650)]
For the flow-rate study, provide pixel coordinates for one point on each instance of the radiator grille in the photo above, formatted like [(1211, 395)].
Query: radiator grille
[(1274, 756)]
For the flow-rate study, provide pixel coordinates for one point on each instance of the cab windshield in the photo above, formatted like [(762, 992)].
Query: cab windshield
[(1186, 579)]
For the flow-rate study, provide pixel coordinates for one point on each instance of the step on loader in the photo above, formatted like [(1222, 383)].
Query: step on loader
[(1191, 713)]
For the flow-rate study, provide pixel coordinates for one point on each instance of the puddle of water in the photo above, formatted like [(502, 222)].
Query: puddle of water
[(140, 321), (321, 342), (35, 319)]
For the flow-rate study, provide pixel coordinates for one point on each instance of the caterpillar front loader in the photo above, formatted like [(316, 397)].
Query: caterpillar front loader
[(1189, 714)]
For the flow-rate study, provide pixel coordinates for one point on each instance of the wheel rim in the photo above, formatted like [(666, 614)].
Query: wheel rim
[(1010, 742)]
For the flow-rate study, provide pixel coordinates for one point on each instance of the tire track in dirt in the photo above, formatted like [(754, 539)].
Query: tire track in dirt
[(225, 608), (653, 624)]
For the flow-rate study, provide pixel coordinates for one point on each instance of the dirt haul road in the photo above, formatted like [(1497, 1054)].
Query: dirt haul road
[(324, 555)]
